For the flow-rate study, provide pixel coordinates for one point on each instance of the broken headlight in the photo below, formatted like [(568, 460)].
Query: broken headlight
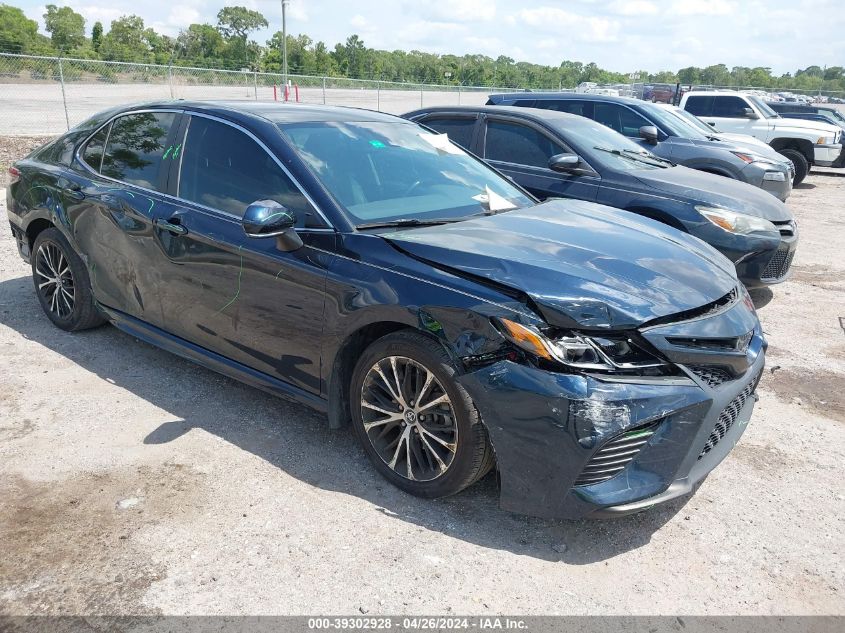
[(602, 353)]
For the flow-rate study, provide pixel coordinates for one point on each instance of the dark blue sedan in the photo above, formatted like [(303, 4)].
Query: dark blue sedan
[(359, 264), (555, 154)]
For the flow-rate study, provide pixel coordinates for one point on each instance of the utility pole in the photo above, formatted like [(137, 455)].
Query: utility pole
[(284, 43)]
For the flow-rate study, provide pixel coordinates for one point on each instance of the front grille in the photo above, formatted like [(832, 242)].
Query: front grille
[(728, 416), (778, 265), (613, 456), (712, 376)]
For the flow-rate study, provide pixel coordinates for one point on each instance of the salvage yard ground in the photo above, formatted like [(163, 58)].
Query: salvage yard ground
[(133, 482)]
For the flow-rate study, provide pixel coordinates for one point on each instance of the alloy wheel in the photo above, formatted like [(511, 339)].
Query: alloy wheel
[(408, 418), (55, 279)]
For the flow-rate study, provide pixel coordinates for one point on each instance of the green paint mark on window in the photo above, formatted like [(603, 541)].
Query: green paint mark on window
[(166, 153), (377, 144), (152, 203), (176, 151)]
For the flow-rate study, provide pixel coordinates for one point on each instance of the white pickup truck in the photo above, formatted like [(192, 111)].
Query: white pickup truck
[(803, 142)]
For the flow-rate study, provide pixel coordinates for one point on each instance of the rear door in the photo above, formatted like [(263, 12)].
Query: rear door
[(127, 164), (522, 151), (233, 294)]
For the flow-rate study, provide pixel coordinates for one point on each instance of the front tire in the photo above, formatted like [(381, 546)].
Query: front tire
[(62, 284), (416, 423), (799, 162)]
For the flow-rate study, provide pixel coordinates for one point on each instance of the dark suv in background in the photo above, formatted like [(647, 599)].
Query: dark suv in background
[(553, 155), (662, 134)]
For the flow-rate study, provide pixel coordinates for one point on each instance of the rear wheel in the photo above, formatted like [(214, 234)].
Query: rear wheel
[(799, 162), (62, 284), (416, 423)]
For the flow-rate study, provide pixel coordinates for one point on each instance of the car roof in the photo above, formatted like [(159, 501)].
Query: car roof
[(273, 111), (552, 118), (716, 93), (546, 96)]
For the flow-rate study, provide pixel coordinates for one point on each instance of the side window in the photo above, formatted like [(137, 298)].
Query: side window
[(137, 147), (519, 144), (619, 118), (581, 108), (459, 130), (729, 107), (93, 152), (699, 106), (225, 169)]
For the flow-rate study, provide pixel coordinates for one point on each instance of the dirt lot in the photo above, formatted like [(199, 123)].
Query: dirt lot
[(134, 482)]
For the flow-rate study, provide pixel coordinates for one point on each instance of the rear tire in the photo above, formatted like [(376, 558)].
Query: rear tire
[(427, 451), (799, 162), (62, 284)]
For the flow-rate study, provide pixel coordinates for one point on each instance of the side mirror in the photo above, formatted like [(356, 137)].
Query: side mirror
[(564, 163), (649, 134), (268, 218), (750, 114)]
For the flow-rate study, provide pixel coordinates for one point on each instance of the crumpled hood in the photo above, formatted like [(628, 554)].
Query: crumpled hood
[(583, 264), (716, 191)]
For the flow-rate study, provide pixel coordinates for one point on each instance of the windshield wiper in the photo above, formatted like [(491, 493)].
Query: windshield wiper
[(636, 156), (402, 222)]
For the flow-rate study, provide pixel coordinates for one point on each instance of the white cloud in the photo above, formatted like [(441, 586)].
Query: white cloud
[(570, 25), (701, 7), (359, 22), (633, 7), (460, 11)]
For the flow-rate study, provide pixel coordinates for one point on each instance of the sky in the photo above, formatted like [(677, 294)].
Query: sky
[(619, 35)]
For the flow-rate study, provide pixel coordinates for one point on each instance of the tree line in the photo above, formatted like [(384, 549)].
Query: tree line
[(228, 45)]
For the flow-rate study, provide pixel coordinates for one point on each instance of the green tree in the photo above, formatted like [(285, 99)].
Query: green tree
[(65, 26), (97, 36), (126, 41), (235, 24), (19, 34), (201, 43), (689, 75)]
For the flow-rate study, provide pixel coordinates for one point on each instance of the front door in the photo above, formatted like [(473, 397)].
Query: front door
[(237, 295)]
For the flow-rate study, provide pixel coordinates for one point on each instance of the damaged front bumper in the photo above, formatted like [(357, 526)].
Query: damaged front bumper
[(560, 438)]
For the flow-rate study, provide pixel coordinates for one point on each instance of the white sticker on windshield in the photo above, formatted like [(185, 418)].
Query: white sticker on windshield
[(494, 201), (441, 142)]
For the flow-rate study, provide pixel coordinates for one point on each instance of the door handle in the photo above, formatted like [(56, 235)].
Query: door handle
[(72, 190), (172, 227)]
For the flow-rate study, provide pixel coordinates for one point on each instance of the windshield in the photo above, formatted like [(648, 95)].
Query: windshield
[(614, 150), (388, 171), (690, 119), (836, 114), (763, 107), (675, 126)]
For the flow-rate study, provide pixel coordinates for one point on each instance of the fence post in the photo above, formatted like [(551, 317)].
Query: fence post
[(64, 97), (421, 97), (378, 96), (170, 77), (255, 83), (324, 91)]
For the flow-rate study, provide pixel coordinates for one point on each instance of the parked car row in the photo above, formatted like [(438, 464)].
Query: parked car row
[(531, 290)]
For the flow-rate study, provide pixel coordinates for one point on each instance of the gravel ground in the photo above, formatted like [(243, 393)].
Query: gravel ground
[(134, 482)]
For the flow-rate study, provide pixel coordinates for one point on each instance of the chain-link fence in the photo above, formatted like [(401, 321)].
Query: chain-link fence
[(47, 95)]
